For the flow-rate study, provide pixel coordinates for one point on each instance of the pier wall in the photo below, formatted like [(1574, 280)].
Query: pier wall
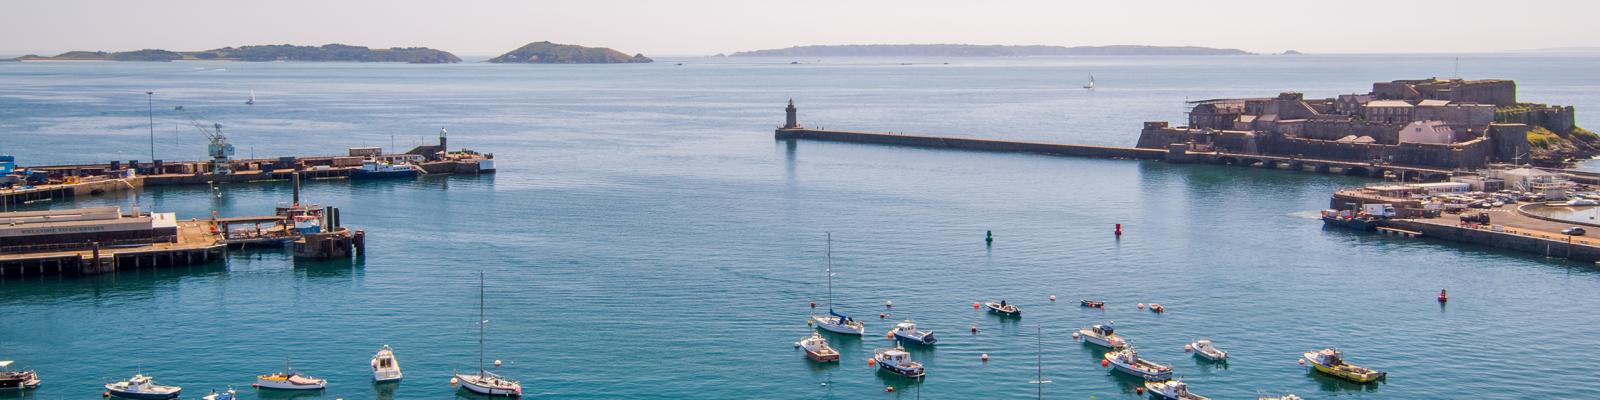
[(971, 144), (1550, 246)]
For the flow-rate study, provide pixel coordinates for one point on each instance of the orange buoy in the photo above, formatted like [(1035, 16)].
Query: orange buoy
[(889, 389), (453, 381), (872, 362), (106, 394), (1302, 361), (984, 357), (1104, 363), (974, 305), (890, 335)]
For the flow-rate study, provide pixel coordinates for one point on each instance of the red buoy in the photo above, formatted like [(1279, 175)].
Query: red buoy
[(974, 305), (889, 389), (871, 362), (974, 329), (883, 315), (1139, 390), (1104, 363), (1443, 297), (1119, 230), (813, 304)]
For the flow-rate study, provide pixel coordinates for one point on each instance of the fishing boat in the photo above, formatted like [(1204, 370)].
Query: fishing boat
[(1173, 389), (1003, 309), (17, 380), (252, 100), (230, 394), (1090, 85), (906, 331), (371, 169), (834, 321), (140, 387), (1349, 219), (290, 380), (485, 382), (1157, 308), (385, 368), (898, 361), (1283, 397), (1128, 361), (817, 348), (1103, 336), (1331, 361), (1092, 303), (1204, 349)]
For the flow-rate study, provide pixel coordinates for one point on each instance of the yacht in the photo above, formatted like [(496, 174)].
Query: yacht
[(385, 368)]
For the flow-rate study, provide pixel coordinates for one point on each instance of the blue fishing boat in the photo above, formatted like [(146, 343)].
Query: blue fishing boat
[(898, 361), (379, 170)]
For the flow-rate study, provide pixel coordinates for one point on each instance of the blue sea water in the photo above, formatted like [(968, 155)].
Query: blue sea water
[(646, 237)]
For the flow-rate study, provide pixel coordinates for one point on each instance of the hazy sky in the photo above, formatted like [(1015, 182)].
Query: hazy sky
[(699, 27)]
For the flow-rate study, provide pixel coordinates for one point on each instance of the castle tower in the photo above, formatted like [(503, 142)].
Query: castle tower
[(789, 121)]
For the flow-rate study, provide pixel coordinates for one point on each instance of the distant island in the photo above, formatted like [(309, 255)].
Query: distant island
[(552, 53), (280, 52), (975, 50)]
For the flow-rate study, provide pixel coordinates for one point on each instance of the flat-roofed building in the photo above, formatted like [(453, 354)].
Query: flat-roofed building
[(83, 227)]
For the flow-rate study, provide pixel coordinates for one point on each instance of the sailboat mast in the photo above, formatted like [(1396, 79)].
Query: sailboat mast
[(481, 323), (1039, 355), (829, 253)]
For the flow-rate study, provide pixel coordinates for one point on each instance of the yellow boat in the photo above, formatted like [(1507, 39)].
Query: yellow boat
[(1331, 361)]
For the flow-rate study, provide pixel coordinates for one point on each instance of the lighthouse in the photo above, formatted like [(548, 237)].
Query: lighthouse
[(789, 121)]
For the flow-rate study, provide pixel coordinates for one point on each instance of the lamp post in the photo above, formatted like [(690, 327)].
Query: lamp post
[(149, 101)]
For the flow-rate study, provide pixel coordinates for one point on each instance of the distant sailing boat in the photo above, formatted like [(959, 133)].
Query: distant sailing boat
[(485, 382), (252, 100), (834, 321), (1090, 85), (1039, 355)]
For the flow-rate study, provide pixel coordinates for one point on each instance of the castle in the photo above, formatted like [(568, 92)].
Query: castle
[(1450, 124)]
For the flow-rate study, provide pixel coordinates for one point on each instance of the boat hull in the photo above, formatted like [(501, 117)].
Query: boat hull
[(387, 376), (1360, 224), (997, 310), (831, 324), (468, 384), (822, 356), (924, 340), (285, 385), (1368, 377), (1149, 376), (142, 396), (359, 174), (1102, 341), (913, 373), (19, 382)]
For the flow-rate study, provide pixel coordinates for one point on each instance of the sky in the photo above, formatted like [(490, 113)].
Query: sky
[(704, 27)]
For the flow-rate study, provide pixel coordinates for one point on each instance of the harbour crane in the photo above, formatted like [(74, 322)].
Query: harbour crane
[(219, 149)]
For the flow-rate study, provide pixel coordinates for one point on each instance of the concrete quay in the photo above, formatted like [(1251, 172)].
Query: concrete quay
[(197, 242)]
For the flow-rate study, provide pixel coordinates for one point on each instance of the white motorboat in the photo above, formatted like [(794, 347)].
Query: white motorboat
[(230, 394), (1129, 362), (1283, 397), (906, 331), (1204, 349), (385, 368), (1103, 336), (817, 348), (290, 380), (140, 387), (834, 321), (1173, 389), (485, 382), (17, 380), (898, 361)]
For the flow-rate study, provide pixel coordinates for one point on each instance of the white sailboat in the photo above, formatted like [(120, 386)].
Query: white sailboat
[(834, 321), (1038, 380), (1090, 85), (252, 100), (385, 368), (485, 382)]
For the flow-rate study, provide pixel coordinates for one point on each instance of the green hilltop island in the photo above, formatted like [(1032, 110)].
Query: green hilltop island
[(1448, 124), (552, 53), (278, 52)]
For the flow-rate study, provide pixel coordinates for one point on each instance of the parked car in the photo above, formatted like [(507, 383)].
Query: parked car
[(1573, 231)]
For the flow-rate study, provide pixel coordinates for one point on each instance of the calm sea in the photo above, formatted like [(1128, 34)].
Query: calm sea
[(647, 238)]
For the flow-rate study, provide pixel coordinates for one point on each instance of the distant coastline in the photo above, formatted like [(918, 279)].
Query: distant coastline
[(556, 53), (282, 52), (974, 50)]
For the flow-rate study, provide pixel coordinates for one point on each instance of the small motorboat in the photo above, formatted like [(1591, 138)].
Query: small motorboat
[(1331, 361), (17, 380), (1283, 397), (1128, 361), (385, 368), (228, 395), (839, 323), (141, 388), (906, 331), (1204, 349), (898, 361), (1003, 309), (1092, 303), (1103, 336), (817, 348), (1173, 389), (488, 384), (1157, 308), (291, 380)]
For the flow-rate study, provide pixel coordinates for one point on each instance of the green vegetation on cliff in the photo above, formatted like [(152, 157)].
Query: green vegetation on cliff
[(1549, 148), (283, 52), (552, 53)]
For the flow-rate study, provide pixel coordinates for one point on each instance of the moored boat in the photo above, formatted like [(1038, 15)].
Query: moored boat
[(1003, 309), (290, 380), (385, 368), (1331, 361), (230, 394), (1092, 303), (1283, 397), (371, 169), (1157, 308), (1172, 389), (1103, 336), (906, 331), (834, 321), (17, 380), (485, 382), (1349, 220), (1204, 349), (817, 348), (898, 361), (1128, 361), (140, 387)]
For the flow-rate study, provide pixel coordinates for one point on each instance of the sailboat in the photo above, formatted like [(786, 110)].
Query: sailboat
[(252, 100), (1090, 85), (485, 382), (834, 321)]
